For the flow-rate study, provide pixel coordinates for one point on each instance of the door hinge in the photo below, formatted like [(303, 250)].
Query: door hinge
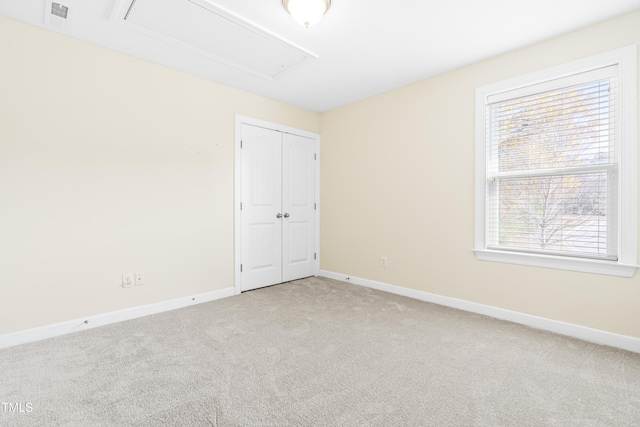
[(240, 143), (240, 268), (315, 156), (314, 256), (240, 205), (315, 206)]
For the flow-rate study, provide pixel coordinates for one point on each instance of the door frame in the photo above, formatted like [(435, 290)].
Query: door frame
[(239, 121)]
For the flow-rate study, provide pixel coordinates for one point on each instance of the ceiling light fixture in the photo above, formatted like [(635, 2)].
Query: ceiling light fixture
[(307, 12)]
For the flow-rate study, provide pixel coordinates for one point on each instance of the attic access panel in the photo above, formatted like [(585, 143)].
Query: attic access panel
[(207, 29)]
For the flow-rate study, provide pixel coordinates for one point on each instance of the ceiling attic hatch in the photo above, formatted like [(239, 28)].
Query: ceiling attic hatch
[(207, 29)]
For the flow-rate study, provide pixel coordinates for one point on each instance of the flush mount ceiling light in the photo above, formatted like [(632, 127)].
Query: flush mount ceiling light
[(307, 12)]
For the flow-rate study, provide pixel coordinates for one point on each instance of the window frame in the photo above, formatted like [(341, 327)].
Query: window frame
[(625, 59)]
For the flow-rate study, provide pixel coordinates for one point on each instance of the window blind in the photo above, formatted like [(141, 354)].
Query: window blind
[(552, 163)]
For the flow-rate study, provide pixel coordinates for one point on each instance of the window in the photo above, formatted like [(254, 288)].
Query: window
[(556, 167)]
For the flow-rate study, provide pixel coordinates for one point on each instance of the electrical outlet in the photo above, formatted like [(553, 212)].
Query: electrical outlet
[(139, 278), (384, 262), (127, 280)]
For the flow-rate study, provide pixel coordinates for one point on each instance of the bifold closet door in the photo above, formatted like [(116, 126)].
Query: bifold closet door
[(278, 203)]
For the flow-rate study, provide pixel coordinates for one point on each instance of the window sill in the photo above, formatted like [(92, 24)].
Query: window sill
[(609, 268)]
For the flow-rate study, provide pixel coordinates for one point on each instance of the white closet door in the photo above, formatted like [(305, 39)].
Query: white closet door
[(298, 200), (277, 218), (261, 189)]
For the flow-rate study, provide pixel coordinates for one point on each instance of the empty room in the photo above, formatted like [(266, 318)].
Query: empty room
[(319, 213)]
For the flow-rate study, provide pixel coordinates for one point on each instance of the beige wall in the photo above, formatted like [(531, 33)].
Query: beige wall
[(110, 164), (398, 180)]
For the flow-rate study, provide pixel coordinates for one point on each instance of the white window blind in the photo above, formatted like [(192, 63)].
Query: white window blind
[(552, 163)]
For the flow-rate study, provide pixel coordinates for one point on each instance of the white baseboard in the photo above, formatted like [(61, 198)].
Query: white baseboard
[(57, 329), (581, 332)]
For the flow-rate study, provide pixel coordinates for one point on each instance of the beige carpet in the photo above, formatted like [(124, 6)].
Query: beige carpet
[(318, 353)]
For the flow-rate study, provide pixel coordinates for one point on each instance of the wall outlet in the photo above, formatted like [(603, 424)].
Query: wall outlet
[(384, 262), (127, 280), (139, 278)]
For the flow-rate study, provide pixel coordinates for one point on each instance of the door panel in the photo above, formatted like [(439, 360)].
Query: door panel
[(298, 197), (262, 239), (299, 250), (261, 201)]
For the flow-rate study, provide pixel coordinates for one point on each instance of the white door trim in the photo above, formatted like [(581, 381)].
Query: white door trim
[(239, 121)]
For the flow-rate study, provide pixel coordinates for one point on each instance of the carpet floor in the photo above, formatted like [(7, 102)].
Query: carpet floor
[(317, 352)]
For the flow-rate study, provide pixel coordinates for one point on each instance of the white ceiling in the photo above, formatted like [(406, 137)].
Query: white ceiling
[(364, 47)]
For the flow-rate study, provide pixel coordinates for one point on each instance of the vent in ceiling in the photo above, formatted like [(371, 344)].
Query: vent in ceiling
[(207, 29), (56, 15)]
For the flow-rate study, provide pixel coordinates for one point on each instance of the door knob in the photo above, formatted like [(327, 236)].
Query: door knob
[(286, 215), (279, 216)]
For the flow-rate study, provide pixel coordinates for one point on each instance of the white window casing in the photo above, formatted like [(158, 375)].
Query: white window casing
[(556, 175)]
